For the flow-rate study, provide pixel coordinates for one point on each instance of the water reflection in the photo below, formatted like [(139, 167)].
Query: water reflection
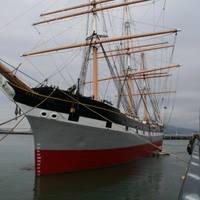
[(145, 179), (128, 181)]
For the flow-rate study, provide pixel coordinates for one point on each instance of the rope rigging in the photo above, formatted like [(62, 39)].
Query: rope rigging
[(121, 94), (118, 84), (84, 68), (15, 68), (141, 137), (23, 115), (21, 15)]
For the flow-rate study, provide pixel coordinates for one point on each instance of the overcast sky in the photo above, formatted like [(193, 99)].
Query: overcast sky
[(17, 35)]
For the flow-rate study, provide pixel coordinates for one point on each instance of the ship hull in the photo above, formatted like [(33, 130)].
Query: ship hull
[(67, 143), (60, 161), (62, 146)]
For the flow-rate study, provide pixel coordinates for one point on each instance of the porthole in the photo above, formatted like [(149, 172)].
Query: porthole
[(43, 114), (53, 115)]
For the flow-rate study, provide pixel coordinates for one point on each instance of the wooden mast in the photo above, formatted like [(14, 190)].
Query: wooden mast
[(136, 77), (94, 50), (75, 7), (127, 32), (90, 11), (136, 51), (95, 73), (135, 47), (146, 116), (153, 93), (95, 41), (101, 41), (142, 73), (130, 94)]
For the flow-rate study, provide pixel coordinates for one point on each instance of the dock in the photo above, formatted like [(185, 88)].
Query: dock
[(177, 137), (191, 181)]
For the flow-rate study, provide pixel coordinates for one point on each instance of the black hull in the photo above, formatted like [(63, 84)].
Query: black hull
[(77, 106)]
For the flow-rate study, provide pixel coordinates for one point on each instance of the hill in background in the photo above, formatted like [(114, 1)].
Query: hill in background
[(179, 130)]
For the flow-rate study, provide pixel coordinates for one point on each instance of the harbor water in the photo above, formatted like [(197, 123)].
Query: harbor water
[(150, 178)]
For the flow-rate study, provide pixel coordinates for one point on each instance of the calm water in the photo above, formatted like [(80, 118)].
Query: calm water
[(146, 179)]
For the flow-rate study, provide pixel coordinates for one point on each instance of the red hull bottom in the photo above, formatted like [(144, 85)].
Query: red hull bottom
[(53, 161)]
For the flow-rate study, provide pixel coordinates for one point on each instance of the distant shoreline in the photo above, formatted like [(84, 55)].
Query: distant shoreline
[(177, 137)]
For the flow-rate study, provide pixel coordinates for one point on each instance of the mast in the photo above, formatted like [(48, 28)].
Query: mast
[(127, 32), (129, 51), (146, 116), (101, 41), (95, 73), (94, 50), (151, 72), (92, 10), (136, 47), (95, 40), (75, 7), (130, 94), (154, 93)]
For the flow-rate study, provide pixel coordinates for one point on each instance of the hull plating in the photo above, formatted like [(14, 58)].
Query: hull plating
[(65, 147), (60, 161)]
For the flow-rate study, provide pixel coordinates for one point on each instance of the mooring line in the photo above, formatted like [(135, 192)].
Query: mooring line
[(23, 115)]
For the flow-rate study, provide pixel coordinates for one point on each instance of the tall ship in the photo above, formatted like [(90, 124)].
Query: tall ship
[(113, 113)]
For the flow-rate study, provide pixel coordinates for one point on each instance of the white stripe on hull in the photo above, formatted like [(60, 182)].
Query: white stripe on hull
[(57, 135), (61, 134), (37, 112)]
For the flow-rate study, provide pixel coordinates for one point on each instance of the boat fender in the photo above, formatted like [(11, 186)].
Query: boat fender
[(189, 149), (191, 143)]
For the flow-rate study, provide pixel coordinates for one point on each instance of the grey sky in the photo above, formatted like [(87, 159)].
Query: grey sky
[(19, 36)]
